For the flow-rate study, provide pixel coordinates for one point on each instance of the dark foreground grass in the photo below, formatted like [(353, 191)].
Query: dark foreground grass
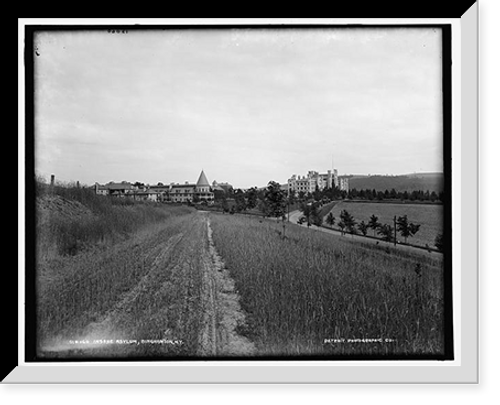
[(137, 289), (146, 287), (92, 251), (317, 294)]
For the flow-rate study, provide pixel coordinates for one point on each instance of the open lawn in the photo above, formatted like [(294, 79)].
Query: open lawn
[(430, 217)]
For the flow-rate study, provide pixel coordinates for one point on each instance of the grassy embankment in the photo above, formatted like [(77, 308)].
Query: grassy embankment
[(308, 287), (71, 219), (91, 250)]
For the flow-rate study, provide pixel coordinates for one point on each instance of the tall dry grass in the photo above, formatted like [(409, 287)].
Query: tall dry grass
[(91, 250), (306, 292), (73, 291), (72, 219)]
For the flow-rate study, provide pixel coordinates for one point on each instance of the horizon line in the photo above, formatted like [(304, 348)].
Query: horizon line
[(47, 178)]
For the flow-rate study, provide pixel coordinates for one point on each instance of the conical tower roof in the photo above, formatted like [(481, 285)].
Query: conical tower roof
[(202, 180)]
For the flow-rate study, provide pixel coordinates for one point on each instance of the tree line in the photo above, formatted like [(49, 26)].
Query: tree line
[(334, 193), (273, 201), (263, 199), (347, 224), (387, 232), (415, 195)]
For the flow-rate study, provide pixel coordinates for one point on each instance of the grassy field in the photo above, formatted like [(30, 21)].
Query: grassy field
[(430, 217), (113, 268), (124, 291), (304, 293)]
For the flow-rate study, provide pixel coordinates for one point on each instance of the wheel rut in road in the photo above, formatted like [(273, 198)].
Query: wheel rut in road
[(185, 299), (222, 313)]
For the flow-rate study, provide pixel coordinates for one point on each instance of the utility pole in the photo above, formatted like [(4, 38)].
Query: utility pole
[(395, 234)]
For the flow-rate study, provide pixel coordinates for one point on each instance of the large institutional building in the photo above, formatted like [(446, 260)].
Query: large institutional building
[(308, 183), (192, 192), (182, 193)]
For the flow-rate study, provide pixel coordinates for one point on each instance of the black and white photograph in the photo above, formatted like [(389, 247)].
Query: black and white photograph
[(240, 192)]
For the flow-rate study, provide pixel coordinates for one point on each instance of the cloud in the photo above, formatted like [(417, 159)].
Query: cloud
[(256, 103)]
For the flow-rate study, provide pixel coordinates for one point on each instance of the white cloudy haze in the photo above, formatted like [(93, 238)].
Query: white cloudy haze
[(246, 105)]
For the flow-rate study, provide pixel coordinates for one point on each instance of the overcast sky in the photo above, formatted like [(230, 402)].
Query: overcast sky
[(245, 105)]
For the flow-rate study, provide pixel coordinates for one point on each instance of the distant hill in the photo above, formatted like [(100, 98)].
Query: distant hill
[(408, 182)]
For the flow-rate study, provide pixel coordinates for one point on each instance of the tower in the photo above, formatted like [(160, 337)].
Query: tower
[(202, 185), (202, 189)]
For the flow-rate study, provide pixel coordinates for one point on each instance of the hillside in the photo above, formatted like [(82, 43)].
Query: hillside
[(71, 219), (410, 182)]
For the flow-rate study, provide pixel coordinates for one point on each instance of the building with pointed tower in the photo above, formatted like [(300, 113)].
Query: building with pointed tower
[(203, 191), (189, 192)]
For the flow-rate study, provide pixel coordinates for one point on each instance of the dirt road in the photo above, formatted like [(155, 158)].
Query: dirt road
[(184, 303), (222, 313)]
